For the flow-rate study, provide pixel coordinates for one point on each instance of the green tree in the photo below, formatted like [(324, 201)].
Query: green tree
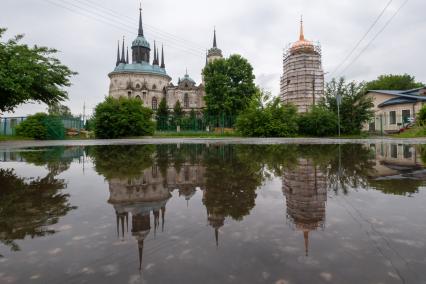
[(356, 108), (394, 82), (115, 118), (421, 116), (264, 118), (162, 115), (319, 121), (59, 110), (30, 74), (229, 85), (177, 112)]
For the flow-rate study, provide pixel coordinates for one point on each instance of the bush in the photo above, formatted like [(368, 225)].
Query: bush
[(318, 122), (42, 127), (421, 116), (115, 118), (273, 120)]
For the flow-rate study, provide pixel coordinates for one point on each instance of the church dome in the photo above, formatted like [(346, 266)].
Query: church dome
[(302, 45), (141, 41)]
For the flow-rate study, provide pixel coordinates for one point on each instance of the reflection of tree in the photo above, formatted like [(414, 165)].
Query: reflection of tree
[(403, 186), (122, 161), (231, 181), (53, 158), (28, 208)]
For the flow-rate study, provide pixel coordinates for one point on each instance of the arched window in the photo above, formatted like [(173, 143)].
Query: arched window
[(154, 87), (138, 98), (129, 94), (138, 86), (154, 103), (186, 101)]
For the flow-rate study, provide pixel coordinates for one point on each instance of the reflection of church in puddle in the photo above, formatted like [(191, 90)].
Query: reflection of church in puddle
[(305, 190), (148, 195)]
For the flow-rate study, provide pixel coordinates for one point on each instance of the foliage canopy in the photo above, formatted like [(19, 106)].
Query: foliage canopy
[(30, 74), (393, 82), (229, 85)]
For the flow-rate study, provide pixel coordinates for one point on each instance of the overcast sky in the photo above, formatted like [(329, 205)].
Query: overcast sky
[(86, 33)]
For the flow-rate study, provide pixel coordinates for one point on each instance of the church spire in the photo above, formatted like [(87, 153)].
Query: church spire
[(162, 57), (154, 62), (158, 57), (306, 237), (140, 31), (118, 53), (127, 56), (214, 38), (302, 35), (123, 59)]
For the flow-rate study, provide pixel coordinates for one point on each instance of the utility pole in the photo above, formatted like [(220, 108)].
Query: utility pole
[(339, 101)]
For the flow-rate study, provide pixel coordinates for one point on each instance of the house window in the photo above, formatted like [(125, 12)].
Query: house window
[(392, 117), (394, 151), (405, 115), (407, 152), (154, 103), (186, 101)]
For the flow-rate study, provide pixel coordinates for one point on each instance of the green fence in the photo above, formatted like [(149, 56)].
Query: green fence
[(206, 123), (8, 125)]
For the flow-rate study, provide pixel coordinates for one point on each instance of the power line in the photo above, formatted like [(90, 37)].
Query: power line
[(107, 18), (157, 30), (363, 37), (119, 25), (375, 37)]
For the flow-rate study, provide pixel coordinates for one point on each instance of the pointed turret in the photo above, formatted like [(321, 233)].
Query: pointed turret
[(140, 30), (214, 52), (123, 59), (306, 237), (162, 57), (118, 53), (127, 56), (154, 62), (214, 38), (158, 57)]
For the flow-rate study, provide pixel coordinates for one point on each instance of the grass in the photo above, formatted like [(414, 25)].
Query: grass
[(13, 138), (415, 132)]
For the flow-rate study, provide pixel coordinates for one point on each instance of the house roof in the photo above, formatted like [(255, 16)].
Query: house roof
[(401, 97)]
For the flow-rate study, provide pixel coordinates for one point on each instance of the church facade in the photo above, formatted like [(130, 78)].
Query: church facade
[(146, 79)]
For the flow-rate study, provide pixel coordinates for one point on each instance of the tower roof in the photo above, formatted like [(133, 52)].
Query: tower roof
[(214, 51), (140, 39), (302, 44)]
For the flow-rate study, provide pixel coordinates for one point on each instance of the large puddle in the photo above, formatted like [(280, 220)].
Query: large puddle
[(213, 214)]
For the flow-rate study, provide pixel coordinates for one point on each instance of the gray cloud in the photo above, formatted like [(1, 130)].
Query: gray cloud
[(258, 30)]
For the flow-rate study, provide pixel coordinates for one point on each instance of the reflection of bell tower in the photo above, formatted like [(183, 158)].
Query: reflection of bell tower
[(306, 194), (215, 218)]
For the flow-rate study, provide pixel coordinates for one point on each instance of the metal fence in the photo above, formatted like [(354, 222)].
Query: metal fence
[(8, 124), (206, 123)]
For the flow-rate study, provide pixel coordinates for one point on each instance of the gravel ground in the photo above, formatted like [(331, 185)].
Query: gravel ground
[(23, 144)]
